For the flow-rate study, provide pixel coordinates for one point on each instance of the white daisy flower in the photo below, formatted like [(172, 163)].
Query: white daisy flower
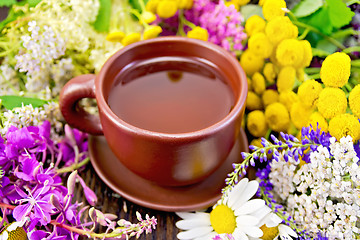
[(14, 231), (234, 215), (285, 232), (270, 225)]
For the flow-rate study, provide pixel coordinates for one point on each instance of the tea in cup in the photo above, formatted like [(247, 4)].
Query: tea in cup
[(170, 108)]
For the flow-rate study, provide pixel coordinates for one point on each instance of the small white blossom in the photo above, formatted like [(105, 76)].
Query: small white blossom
[(325, 193)]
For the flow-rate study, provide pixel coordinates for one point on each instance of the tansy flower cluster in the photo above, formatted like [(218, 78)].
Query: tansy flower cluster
[(127, 35), (274, 63), (218, 22), (326, 104)]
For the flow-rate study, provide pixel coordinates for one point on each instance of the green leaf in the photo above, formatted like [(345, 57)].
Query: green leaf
[(339, 14), (136, 5), (11, 102), (320, 20), (102, 22), (7, 3), (251, 9), (33, 3), (306, 7)]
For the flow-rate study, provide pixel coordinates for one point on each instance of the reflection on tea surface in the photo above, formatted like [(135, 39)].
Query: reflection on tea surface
[(170, 95)]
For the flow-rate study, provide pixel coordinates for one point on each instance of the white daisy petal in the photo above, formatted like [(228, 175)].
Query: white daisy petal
[(253, 231), (286, 229), (189, 215), (249, 191), (236, 192), (246, 220), (249, 207), (207, 237), (239, 235), (261, 213), (193, 223), (194, 233), (272, 220)]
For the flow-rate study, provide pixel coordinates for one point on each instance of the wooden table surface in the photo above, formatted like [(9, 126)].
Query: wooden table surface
[(110, 202)]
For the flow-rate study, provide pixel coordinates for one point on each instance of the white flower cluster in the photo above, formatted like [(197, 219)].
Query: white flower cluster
[(30, 116), (323, 195), (9, 84), (39, 59)]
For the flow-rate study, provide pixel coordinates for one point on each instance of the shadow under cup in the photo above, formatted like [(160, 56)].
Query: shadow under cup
[(169, 159)]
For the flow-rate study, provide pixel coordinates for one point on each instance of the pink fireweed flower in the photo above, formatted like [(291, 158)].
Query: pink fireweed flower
[(224, 23)]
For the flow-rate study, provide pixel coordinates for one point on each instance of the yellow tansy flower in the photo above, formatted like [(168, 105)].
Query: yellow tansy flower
[(166, 8), (262, 2), (256, 123), (286, 79), (115, 36), (250, 62), (354, 100), (258, 83), (309, 92), (242, 2), (280, 28), (151, 5), (254, 24), (250, 88), (152, 32), (343, 125), (148, 17), (273, 8), (300, 114), (289, 53), (332, 102), (270, 72), (335, 70), (131, 38), (253, 101), (198, 33), (277, 117), (288, 98), (269, 96), (300, 74), (307, 54), (317, 121), (185, 4), (260, 45), (256, 142)]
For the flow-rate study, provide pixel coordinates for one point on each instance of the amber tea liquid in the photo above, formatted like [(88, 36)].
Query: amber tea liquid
[(170, 95)]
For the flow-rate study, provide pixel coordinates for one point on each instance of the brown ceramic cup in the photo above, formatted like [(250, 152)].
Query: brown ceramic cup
[(166, 159)]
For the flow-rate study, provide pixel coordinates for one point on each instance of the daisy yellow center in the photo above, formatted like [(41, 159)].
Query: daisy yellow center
[(222, 219), (17, 234), (269, 233)]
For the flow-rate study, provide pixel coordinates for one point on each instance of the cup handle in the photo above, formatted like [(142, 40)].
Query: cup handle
[(80, 87)]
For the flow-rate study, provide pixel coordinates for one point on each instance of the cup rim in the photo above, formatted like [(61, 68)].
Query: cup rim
[(228, 119)]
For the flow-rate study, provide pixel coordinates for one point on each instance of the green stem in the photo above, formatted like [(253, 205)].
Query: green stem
[(267, 135), (355, 63), (185, 21), (138, 15), (352, 49), (181, 31), (142, 5), (304, 34), (73, 167), (314, 76), (312, 70)]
